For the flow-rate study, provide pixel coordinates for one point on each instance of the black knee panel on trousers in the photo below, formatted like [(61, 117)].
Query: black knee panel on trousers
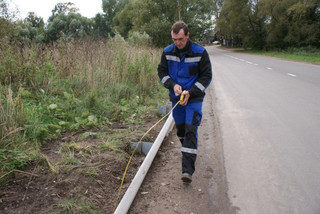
[(190, 137), (181, 131)]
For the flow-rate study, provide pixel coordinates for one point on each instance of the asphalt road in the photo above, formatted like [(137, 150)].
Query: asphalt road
[(269, 116)]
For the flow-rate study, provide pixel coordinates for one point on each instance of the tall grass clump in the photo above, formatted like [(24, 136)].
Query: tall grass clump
[(48, 89)]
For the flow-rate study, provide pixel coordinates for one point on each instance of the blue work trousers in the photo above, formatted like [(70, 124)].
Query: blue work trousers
[(187, 119)]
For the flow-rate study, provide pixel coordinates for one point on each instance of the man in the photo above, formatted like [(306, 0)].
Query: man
[(185, 69)]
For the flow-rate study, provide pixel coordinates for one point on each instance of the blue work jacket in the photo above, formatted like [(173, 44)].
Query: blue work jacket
[(191, 70)]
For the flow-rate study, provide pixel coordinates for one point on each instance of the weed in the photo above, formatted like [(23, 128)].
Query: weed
[(13, 159), (53, 167), (113, 145), (81, 149), (91, 172), (70, 159), (75, 206), (88, 135)]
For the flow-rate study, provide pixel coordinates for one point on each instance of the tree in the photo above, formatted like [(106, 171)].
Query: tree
[(30, 29), (123, 22), (271, 23), (292, 23), (34, 20), (216, 7), (100, 27), (63, 8), (233, 21), (6, 17), (304, 24), (255, 37), (110, 9), (155, 17), (26, 33), (69, 26), (198, 16), (276, 23)]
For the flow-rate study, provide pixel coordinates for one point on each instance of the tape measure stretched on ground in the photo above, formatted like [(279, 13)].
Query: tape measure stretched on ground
[(134, 151)]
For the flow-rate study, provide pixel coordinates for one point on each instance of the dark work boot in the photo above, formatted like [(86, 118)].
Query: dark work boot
[(186, 177)]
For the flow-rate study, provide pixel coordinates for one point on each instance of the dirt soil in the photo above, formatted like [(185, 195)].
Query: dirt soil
[(77, 175), (163, 190)]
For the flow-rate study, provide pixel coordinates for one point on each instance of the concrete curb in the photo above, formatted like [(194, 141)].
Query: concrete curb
[(132, 190)]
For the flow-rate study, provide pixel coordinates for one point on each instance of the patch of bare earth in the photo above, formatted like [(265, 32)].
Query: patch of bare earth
[(79, 173), (163, 191)]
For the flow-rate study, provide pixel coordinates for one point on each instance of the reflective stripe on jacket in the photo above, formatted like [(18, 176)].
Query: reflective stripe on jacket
[(192, 71)]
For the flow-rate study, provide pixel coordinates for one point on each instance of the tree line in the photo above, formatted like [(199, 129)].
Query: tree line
[(269, 24), (258, 24), (124, 17)]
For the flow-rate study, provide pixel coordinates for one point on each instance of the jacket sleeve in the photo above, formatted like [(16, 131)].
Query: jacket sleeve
[(205, 76), (163, 73)]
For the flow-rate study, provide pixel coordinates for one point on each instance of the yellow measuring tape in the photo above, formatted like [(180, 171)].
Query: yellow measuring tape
[(134, 151)]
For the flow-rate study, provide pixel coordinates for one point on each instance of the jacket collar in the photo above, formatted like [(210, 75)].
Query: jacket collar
[(188, 48)]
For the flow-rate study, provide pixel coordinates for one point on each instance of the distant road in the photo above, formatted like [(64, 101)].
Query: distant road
[(269, 115)]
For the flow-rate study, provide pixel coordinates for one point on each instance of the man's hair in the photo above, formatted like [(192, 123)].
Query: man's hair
[(177, 26)]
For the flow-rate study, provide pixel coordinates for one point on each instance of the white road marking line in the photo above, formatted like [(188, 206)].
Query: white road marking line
[(269, 68), (293, 75), (230, 56), (242, 60)]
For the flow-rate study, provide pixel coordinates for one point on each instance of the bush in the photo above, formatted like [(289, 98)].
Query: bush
[(137, 39)]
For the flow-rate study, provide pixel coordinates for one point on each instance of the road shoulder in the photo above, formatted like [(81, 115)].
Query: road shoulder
[(163, 191)]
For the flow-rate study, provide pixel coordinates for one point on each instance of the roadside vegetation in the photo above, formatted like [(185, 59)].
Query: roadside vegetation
[(52, 89), (68, 112), (311, 55), (73, 95)]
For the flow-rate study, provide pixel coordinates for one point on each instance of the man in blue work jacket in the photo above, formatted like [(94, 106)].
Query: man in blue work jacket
[(185, 69)]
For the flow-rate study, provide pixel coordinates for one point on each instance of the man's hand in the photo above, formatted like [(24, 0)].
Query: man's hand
[(186, 98), (177, 89)]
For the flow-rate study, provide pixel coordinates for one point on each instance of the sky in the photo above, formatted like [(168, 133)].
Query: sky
[(43, 8)]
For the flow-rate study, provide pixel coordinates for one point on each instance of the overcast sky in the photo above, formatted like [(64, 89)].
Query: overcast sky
[(43, 8)]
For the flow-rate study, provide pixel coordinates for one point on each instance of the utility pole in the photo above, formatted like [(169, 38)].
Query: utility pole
[(179, 10)]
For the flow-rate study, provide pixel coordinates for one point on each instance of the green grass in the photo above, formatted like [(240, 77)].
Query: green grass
[(113, 145), (75, 206), (298, 54), (48, 90), (91, 172)]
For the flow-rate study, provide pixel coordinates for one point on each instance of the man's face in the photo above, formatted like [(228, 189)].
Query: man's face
[(179, 39)]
